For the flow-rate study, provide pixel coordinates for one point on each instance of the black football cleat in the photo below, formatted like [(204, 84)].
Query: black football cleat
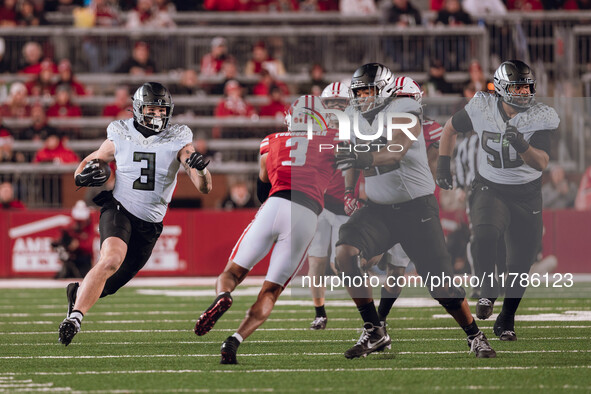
[(71, 292), (211, 315), (504, 328), (480, 347), (484, 308), (228, 351), (373, 339), (508, 335), (68, 329), (319, 323)]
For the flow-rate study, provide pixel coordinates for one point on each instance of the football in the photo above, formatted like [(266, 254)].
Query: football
[(95, 173), (100, 167)]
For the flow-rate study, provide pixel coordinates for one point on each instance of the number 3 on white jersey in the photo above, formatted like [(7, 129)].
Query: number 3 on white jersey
[(297, 153)]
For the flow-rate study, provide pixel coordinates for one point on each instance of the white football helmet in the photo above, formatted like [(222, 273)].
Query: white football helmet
[(408, 87), (335, 96), (304, 110)]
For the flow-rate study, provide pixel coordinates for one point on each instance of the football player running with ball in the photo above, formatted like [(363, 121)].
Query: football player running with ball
[(506, 198), (294, 173), (149, 152), (401, 208)]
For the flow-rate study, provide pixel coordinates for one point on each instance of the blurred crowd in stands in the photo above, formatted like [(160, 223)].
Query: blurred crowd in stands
[(157, 13), (47, 87)]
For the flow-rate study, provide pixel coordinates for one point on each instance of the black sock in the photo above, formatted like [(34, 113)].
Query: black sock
[(320, 312), (386, 303), (369, 313), (510, 306), (471, 329)]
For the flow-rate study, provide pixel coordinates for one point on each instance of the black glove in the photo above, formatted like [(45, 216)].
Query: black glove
[(443, 176), (197, 161), (515, 138), (95, 173), (346, 157)]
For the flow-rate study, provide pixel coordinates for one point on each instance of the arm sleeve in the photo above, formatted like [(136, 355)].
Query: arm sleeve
[(461, 121), (263, 190), (541, 140)]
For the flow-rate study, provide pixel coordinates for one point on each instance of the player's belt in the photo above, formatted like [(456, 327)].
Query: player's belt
[(378, 170), (418, 202)]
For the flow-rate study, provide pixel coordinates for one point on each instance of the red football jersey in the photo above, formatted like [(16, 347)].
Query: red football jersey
[(336, 187), (431, 131), (295, 162)]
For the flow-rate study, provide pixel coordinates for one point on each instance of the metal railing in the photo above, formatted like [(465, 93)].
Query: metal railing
[(338, 48), (41, 185)]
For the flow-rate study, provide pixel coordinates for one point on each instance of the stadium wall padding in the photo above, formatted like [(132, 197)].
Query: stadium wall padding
[(199, 242)]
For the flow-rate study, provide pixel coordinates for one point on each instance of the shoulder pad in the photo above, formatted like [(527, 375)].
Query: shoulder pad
[(542, 117), (405, 104), (117, 128)]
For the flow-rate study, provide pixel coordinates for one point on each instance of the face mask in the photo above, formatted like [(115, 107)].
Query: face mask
[(157, 122)]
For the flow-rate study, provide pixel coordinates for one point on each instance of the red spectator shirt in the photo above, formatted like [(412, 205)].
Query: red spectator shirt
[(36, 69), (224, 5), (295, 162), (274, 108), (211, 65), (37, 88), (113, 110), (64, 111), (234, 107), (74, 85), (61, 154)]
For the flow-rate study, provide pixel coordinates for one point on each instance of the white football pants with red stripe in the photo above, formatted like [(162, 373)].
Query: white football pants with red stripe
[(289, 226)]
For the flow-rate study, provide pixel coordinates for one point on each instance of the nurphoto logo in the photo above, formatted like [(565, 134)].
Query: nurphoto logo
[(391, 121)]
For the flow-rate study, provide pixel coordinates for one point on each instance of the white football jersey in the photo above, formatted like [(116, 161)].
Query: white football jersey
[(412, 178), (498, 161), (146, 167)]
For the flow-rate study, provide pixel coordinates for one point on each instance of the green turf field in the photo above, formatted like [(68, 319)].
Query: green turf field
[(142, 340)]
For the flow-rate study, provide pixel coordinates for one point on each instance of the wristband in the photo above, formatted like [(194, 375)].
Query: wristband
[(202, 172), (444, 162)]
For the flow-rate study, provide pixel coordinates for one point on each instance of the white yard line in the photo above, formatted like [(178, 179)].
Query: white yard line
[(315, 354), (305, 370), (199, 342), (287, 329)]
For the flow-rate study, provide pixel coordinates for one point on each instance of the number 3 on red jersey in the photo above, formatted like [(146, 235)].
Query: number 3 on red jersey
[(297, 153)]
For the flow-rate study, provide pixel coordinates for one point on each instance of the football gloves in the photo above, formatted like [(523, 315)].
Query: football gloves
[(346, 157), (443, 176), (93, 174), (197, 161), (352, 204), (516, 139)]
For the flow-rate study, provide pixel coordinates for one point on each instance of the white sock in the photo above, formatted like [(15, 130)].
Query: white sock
[(77, 315), (238, 336)]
